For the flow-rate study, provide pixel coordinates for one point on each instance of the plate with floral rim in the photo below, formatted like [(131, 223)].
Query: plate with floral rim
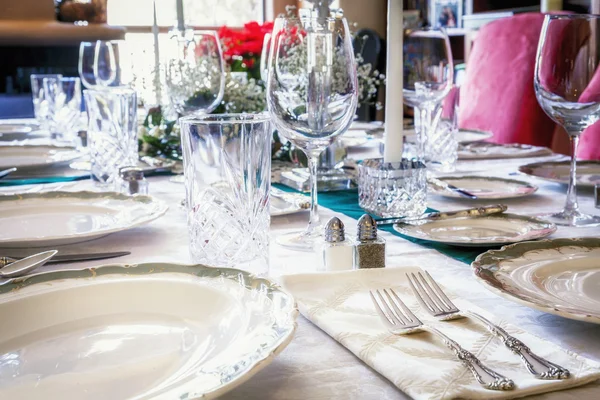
[(489, 230), (36, 157), (558, 276), (61, 217), (152, 330), (588, 172), (484, 187)]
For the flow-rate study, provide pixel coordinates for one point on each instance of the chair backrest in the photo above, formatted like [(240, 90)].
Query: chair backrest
[(368, 45), (498, 93)]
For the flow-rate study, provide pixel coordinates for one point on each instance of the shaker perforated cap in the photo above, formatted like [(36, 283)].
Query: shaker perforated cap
[(131, 173), (334, 231), (367, 228)]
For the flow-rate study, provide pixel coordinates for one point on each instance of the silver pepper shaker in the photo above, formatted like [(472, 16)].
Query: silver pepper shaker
[(597, 195), (337, 252), (133, 181), (370, 249)]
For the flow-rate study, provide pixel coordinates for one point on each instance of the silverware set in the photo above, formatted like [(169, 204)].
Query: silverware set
[(400, 320), (468, 212)]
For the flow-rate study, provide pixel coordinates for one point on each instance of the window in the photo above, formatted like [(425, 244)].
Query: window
[(138, 17)]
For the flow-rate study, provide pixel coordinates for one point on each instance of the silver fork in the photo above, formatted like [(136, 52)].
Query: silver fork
[(401, 321), (435, 302)]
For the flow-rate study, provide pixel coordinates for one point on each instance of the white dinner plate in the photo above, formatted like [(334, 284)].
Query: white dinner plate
[(588, 172), (463, 136), (466, 136), (148, 331), (490, 230), (488, 151), (485, 187), (57, 218), (560, 276), (33, 157)]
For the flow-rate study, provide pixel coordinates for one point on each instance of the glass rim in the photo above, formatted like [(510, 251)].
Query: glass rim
[(226, 118), (573, 16)]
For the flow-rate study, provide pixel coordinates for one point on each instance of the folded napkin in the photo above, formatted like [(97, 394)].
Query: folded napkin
[(420, 364)]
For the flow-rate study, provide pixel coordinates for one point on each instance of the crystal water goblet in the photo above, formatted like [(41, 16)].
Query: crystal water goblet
[(311, 95), (428, 78), (567, 86)]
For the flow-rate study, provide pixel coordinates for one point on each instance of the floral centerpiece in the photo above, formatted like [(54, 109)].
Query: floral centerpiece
[(244, 91)]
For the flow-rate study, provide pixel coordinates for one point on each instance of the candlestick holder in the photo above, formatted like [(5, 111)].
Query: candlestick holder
[(392, 189)]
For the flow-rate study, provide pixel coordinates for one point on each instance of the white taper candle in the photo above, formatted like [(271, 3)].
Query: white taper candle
[(394, 116)]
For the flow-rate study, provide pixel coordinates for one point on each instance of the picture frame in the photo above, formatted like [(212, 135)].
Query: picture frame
[(446, 13)]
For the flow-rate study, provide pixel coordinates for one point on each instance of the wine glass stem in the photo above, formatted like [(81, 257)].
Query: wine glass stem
[(572, 205), (424, 126), (313, 165)]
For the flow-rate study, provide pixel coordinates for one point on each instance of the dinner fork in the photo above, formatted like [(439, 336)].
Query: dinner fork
[(401, 321), (435, 302)]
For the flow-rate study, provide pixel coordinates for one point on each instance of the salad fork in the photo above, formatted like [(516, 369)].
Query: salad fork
[(435, 302), (401, 321)]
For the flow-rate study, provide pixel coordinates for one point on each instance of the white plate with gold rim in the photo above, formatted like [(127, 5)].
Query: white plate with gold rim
[(485, 187), (588, 172), (58, 218), (33, 157), (489, 230), (560, 276), (151, 331), (488, 151), (463, 136)]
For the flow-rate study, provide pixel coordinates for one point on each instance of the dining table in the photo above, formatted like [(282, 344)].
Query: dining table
[(315, 366)]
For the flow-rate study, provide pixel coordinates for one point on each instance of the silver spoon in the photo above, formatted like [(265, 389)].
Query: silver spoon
[(26, 265), (6, 172)]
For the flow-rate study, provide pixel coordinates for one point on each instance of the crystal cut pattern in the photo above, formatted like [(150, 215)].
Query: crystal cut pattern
[(112, 132), (392, 189), (227, 163)]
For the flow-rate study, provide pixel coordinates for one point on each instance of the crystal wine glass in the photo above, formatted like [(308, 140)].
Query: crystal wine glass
[(311, 94), (264, 57), (428, 78), (103, 64), (196, 75), (567, 86)]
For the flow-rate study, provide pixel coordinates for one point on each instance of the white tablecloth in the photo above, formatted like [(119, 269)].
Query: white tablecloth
[(314, 366)]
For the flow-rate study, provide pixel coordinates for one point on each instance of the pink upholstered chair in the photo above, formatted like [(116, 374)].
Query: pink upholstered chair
[(498, 94)]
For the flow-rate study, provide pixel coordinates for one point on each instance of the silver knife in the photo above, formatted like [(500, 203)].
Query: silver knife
[(446, 186), (63, 258), (469, 212)]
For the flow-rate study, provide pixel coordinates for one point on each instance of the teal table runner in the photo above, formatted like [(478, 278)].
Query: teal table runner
[(50, 179), (346, 202)]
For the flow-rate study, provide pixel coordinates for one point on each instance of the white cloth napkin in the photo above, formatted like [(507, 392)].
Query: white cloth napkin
[(420, 364)]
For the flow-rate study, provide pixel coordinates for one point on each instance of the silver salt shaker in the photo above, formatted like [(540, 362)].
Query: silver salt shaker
[(370, 249), (337, 250), (133, 181)]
